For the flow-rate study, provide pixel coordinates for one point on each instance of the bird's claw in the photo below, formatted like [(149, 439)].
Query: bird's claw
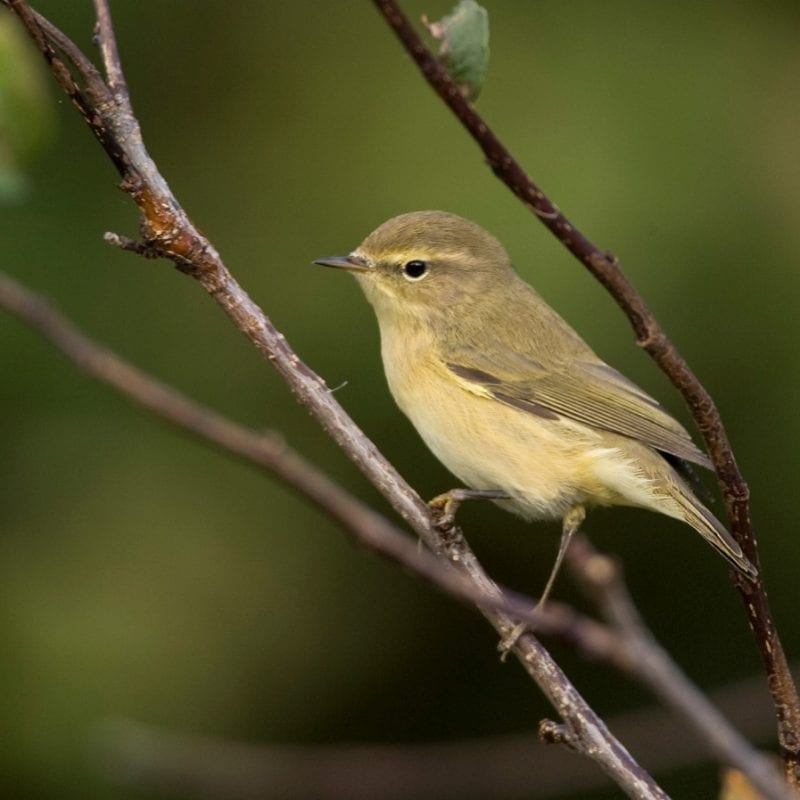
[(444, 506), (506, 644)]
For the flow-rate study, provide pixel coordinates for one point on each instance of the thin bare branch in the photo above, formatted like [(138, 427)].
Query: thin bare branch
[(107, 43), (204, 767), (494, 767), (650, 336), (602, 579)]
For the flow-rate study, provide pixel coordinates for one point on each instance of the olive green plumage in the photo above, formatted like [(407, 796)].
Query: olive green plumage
[(505, 393)]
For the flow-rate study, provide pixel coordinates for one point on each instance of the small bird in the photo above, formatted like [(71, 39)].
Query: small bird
[(507, 395)]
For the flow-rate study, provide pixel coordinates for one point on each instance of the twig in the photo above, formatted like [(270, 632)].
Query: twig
[(602, 579), (651, 337), (484, 768), (168, 231), (107, 44)]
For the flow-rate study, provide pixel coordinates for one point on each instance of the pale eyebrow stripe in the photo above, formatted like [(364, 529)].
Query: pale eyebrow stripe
[(401, 256)]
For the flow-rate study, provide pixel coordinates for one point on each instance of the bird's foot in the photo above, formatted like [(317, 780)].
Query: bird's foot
[(444, 506), (506, 644)]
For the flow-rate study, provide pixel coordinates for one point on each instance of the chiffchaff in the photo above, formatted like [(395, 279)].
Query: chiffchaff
[(507, 395)]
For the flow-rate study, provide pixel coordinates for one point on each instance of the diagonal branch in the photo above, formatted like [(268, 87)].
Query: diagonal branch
[(270, 453), (654, 340)]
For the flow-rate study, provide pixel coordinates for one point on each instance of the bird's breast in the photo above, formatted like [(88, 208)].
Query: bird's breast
[(547, 465), (485, 443)]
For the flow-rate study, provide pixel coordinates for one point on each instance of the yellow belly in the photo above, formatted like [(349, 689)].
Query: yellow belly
[(547, 466)]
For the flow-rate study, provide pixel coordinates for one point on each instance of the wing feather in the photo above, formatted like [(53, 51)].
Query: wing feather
[(592, 393)]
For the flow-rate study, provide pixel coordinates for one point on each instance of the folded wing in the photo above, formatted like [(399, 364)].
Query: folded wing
[(592, 393)]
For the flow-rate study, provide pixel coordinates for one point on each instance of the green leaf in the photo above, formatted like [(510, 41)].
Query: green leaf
[(27, 121), (464, 49)]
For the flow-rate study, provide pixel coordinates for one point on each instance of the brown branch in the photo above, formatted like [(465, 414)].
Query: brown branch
[(107, 44), (651, 337), (168, 232)]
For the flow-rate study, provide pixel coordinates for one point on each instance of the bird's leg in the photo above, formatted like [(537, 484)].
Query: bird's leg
[(571, 524), (444, 506)]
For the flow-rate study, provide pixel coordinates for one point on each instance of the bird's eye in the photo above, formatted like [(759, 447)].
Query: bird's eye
[(416, 269)]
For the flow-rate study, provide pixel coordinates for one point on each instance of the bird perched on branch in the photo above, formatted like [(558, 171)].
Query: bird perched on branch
[(507, 395)]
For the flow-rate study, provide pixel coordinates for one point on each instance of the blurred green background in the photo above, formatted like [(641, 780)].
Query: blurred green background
[(144, 576)]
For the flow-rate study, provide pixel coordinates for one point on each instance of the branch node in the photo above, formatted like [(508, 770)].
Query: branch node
[(125, 243), (602, 261), (551, 732)]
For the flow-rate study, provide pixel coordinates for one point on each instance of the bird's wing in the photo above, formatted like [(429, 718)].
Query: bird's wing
[(592, 393)]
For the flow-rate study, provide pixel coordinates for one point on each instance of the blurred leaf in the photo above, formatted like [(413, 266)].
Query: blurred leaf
[(27, 120), (736, 786), (464, 51)]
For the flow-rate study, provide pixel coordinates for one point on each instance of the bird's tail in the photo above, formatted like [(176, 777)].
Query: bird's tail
[(711, 529)]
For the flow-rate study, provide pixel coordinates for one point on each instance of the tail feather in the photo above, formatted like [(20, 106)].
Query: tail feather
[(713, 531)]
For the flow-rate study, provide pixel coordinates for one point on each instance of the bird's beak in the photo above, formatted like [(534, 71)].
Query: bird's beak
[(352, 263)]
